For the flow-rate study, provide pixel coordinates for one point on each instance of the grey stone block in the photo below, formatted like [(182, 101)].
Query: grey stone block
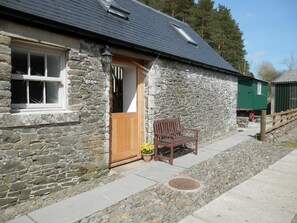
[(18, 186), (5, 40), (5, 201), (10, 166)]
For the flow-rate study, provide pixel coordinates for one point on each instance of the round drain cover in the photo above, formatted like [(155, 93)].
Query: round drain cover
[(184, 183)]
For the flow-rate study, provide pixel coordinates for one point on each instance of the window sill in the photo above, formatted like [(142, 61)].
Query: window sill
[(9, 120)]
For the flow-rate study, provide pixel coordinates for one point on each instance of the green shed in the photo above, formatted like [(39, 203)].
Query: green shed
[(284, 92), (252, 94)]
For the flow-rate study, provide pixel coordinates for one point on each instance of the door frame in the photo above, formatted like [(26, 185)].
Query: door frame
[(140, 95)]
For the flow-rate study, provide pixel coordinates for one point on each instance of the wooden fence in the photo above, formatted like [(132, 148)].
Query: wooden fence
[(275, 120)]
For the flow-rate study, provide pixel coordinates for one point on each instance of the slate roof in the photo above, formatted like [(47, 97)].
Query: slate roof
[(289, 76), (147, 29)]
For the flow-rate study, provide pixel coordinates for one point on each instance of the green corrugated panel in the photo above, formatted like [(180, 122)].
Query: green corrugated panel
[(244, 95), (248, 98), (282, 97), (259, 102), (293, 96)]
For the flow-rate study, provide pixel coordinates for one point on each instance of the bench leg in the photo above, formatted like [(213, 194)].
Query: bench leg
[(196, 144), (196, 147), (171, 155), (155, 151)]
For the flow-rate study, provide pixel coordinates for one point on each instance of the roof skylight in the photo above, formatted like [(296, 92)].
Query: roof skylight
[(114, 9), (184, 34)]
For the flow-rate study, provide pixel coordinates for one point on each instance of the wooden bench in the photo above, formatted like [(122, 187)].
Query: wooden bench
[(169, 133)]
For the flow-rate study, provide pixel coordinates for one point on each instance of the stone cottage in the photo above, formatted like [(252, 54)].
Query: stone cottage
[(64, 120)]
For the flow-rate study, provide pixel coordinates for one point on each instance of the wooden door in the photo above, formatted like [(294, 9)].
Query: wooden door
[(126, 131)]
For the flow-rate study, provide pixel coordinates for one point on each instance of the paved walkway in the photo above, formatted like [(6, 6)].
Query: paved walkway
[(270, 197), (136, 180)]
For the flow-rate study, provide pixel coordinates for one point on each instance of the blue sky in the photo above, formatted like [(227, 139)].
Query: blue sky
[(269, 29)]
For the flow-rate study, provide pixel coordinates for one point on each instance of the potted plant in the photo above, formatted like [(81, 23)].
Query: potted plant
[(147, 150)]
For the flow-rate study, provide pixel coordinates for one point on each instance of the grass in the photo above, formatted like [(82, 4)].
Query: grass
[(289, 144)]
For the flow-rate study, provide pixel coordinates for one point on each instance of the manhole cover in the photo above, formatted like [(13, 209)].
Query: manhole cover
[(184, 183)]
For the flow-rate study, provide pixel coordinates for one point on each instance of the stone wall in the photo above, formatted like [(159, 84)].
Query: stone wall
[(43, 152), (204, 99), (242, 122), (5, 73)]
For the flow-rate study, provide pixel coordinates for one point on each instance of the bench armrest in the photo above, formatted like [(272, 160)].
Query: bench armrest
[(190, 129), (193, 130), (196, 130)]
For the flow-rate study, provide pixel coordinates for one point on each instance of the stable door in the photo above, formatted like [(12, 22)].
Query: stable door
[(124, 115)]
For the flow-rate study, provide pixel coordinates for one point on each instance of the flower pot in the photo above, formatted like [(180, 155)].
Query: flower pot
[(147, 157)]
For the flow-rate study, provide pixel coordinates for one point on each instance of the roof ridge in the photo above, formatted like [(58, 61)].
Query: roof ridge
[(286, 77)]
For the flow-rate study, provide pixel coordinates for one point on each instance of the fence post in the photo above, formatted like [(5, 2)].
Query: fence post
[(263, 125), (274, 122)]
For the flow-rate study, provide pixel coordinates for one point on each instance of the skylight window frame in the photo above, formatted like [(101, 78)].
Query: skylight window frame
[(183, 34), (112, 8)]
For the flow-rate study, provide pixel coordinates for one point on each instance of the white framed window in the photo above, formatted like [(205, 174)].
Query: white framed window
[(114, 9), (37, 79), (183, 34), (259, 88)]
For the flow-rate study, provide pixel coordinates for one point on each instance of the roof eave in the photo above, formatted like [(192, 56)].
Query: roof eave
[(285, 82), (252, 78)]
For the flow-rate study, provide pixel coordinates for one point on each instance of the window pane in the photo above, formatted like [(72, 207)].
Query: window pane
[(53, 66), (259, 88), (37, 64), (19, 62), (52, 92), (18, 92), (36, 92)]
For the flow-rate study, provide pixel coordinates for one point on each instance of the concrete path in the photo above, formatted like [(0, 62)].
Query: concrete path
[(87, 203), (268, 197)]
